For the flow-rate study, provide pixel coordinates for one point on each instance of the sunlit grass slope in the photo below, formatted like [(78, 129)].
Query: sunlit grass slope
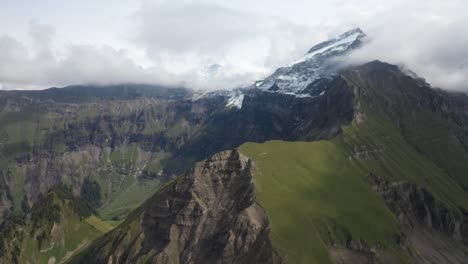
[(308, 188)]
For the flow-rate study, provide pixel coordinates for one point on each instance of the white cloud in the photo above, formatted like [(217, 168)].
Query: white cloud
[(21, 67), (429, 39), (186, 37), (174, 42)]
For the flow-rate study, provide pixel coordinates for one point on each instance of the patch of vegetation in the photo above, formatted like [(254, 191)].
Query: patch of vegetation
[(100, 225), (91, 193), (25, 205), (179, 128), (132, 196)]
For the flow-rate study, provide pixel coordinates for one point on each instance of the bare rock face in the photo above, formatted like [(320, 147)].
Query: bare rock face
[(416, 206), (436, 232), (209, 215)]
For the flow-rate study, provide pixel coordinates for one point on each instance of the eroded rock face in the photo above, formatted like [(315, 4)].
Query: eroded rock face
[(209, 215), (436, 232), (114, 133), (416, 206)]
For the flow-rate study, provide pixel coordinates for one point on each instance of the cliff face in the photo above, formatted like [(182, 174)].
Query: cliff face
[(116, 137), (434, 230), (209, 215), (270, 116), (131, 139)]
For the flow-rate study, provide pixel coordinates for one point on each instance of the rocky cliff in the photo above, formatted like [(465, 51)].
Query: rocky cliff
[(208, 215), (131, 139), (434, 230)]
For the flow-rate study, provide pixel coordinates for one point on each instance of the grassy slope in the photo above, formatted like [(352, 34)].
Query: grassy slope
[(418, 144), (21, 130), (55, 228), (127, 191), (98, 224), (305, 186), (129, 233), (308, 186), (76, 234)]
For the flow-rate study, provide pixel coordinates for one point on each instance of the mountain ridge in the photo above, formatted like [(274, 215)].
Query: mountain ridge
[(208, 215), (369, 145), (385, 133)]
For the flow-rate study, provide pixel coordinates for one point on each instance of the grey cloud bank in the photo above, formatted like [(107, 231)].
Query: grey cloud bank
[(218, 45)]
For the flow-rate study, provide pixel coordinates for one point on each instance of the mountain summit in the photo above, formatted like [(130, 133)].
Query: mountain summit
[(302, 77), (309, 75), (344, 42)]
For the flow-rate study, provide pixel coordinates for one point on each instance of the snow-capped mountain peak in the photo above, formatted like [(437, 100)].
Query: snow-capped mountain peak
[(339, 44), (307, 76)]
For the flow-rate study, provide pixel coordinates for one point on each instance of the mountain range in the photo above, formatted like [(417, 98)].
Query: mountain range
[(320, 162)]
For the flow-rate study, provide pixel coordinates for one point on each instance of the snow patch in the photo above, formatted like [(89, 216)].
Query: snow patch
[(197, 95), (296, 77), (339, 44), (235, 100)]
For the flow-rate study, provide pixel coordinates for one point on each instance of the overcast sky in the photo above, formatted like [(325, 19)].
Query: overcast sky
[(211, 44)]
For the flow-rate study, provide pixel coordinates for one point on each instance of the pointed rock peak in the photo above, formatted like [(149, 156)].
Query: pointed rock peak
[(354, 31), (227, 161), (341, 43), (333, 47), (309, 75)]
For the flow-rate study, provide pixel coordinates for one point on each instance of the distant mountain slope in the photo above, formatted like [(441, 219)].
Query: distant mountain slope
[(124, 141), (53, 230), (113, 138)]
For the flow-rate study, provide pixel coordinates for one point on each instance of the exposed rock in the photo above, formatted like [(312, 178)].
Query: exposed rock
[(347, 256), (209, 215), (111, 134), (53, 226), (272, 116), (434, 230)]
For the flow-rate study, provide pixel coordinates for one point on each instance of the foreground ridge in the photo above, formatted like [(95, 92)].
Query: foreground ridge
[(209, 215)]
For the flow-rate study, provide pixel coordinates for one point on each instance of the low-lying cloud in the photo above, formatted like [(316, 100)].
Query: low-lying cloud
[(207, 44), (39, 67), (431, 41)]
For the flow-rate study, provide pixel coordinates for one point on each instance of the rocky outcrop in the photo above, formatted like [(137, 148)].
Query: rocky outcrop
[(416, 206), (55, 225), (435, 231), (209, 215)]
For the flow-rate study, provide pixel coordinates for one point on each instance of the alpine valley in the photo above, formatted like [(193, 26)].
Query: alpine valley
[(320, 162)]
